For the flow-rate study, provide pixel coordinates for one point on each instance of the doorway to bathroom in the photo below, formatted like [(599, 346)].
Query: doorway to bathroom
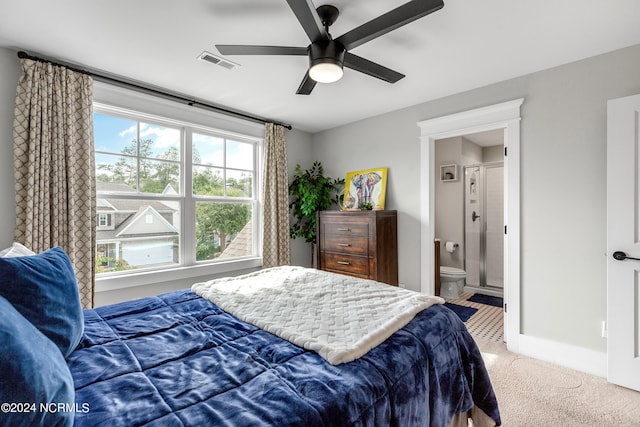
[(469, 209), (503, 116)]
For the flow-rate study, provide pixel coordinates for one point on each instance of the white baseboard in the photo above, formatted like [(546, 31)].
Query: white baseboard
[(570, 356)]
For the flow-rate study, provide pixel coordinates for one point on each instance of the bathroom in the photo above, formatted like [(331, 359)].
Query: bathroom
[(469, 213)]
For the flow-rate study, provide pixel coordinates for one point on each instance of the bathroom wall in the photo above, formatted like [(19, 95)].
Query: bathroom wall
[(449, 209), (493, 154)]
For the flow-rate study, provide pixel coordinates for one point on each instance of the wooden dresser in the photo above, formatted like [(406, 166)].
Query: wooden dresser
[(359, 243)]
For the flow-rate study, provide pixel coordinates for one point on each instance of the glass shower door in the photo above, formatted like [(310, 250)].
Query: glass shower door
[(484, 225), (494, 235)]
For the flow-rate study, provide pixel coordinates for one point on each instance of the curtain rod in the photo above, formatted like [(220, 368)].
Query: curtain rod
[(140, 87)]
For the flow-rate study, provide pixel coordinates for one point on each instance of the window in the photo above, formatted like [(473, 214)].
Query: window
[(222, 169), (104, 220), (171, 194)]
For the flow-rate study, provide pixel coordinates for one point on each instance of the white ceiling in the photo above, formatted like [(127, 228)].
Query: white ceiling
[(488, 138), (467, 44)]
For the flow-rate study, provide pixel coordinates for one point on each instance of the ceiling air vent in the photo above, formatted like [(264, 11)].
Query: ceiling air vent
[(214, 59)]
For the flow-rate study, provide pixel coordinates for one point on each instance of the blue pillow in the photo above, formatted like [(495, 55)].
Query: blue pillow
[(33, 373), (43, 288)]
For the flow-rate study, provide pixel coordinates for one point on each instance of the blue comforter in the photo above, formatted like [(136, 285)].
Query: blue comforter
[(178, 360)]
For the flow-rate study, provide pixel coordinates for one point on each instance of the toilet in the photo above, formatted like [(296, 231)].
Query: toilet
[(451, 281)]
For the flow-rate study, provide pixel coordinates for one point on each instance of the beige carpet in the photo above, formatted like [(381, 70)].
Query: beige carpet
[(533, 393)]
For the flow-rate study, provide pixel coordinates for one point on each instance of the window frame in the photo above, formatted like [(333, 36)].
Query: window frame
[(188, 266), (105, 217)]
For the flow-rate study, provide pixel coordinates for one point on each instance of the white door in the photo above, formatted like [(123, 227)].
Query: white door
[(623, 238)]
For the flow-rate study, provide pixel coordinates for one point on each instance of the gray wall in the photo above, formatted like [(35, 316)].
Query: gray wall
[(10, 73), (299, 153), (563, 188), (493, 154)]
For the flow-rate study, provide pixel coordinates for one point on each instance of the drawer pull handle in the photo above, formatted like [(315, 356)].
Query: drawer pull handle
[(343, 244), (344, 229), (344, 263)]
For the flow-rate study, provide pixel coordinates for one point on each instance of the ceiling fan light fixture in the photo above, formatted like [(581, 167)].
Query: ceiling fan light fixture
[(326, 72), (326, 61)]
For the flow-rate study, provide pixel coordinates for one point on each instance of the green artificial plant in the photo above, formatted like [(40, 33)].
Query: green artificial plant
[(310, 192)]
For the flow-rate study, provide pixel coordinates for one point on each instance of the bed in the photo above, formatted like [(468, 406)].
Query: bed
[(178, 359)]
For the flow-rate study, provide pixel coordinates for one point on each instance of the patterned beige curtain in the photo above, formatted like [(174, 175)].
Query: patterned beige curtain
[(55, 166), (275, 196)]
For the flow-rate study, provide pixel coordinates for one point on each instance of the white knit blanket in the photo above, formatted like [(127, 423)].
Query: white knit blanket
[(339, 317)]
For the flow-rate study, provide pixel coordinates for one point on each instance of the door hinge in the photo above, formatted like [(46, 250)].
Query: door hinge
[(505, 151), (505, 307), (505, 229)]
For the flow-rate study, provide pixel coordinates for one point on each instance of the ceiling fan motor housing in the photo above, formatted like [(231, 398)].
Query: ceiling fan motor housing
[(326, 51)]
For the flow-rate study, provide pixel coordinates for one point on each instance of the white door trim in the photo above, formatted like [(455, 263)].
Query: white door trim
[(505, 116)]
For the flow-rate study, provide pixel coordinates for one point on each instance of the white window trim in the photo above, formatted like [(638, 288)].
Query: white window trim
[(101, 217), (110, 283), (189, 267)]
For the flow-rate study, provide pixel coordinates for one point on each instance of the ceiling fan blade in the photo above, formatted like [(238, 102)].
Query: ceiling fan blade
[(391, 20), (232, 49), (371, 68), (307, 85), (306, 13)]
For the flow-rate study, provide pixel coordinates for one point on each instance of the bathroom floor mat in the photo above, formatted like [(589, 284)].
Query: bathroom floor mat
[(487, 299), (464, 313)]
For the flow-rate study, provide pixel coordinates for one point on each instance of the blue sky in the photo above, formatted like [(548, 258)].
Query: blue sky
[(112, 134)]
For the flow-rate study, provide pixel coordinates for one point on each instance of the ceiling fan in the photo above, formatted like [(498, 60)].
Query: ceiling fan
[(327, 55)]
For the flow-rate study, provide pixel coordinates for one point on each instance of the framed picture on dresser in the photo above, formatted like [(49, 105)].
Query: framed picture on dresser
[(364, 187)]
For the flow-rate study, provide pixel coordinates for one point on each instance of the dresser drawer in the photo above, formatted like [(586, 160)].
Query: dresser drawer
[(345, 228), (352, 245), (345, 263)]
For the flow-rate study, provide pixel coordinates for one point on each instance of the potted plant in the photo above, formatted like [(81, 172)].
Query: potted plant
[(310, 192)]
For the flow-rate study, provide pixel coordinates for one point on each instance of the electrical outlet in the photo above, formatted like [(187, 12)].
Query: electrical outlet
[(604, 329)]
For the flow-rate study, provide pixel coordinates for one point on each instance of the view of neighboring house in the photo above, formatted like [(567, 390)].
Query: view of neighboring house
[(241, 244), (139, 235)]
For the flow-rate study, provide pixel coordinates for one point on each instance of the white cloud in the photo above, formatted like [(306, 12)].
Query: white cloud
[(162, 137), (130, 131), (210, 149)]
